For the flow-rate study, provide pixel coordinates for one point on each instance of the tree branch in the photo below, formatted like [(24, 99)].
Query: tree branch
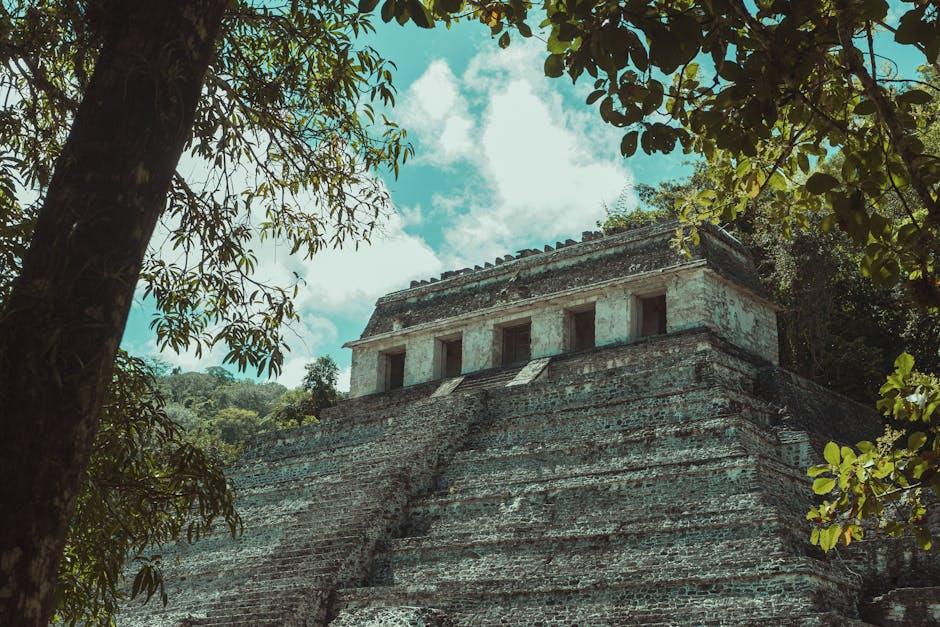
[(887, 113)]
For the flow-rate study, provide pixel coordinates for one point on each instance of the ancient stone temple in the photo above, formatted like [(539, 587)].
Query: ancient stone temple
[(597, 433)]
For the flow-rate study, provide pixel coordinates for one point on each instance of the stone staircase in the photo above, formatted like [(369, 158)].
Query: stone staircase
[(646, 489), (488, 379), (315, 501)]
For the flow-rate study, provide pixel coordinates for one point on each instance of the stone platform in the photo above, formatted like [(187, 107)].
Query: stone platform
[(655, 483)]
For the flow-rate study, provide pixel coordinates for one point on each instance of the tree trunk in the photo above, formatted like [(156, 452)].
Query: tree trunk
[(63, 321)]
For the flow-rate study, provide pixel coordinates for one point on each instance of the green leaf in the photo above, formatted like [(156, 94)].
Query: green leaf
[(815, 471), (420, 14), (915, 96), (803, 161), (554, 65), (923, 538), (628, 144), (388, 10), (824, 485), (831, 453), (875, 9), (821, 183), (916, 440), (904, 363), (829, 537), (367, 6), (865, 107), (730, 71), (594, 96), (848, 455), (504, 40)]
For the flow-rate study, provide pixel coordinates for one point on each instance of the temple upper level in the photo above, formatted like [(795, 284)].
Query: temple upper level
[(601, 291)]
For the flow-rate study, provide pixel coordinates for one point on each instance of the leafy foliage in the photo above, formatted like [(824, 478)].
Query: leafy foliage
[(221, 413), (837, 327), (147, 485), (285, 145), (320, 383), (769, 93), (887, 480), (156, 475)]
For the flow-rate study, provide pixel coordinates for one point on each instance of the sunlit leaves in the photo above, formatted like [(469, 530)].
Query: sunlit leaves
[(897, 469), (287, 144)]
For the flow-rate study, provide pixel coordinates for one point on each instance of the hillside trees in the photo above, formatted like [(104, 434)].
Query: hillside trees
[(100, 99), (221, 414)]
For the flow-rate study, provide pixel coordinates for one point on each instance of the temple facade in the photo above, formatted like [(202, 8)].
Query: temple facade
[(601, 291)]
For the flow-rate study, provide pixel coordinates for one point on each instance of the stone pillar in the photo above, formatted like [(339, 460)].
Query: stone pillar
[(685, 302), (364, 372), (612, 318), (419, 359), (479, 347), (548, 332)]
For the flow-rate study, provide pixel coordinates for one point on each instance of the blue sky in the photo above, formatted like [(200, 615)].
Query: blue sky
[(506, 159)]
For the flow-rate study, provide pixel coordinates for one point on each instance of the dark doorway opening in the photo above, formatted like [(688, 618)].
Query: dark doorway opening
[(517, 344), (395, 371), (582, 329), (452, 357), (653, 315)]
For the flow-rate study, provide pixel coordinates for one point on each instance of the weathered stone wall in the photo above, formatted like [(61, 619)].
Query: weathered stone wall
[(640, 484), (314, 502), (529, 275), (704, 298), (657, 482)]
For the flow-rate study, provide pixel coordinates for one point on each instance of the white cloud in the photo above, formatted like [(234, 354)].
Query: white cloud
[(544, 169), (434, 104), (350, 279), (335, 285), (530, 167)]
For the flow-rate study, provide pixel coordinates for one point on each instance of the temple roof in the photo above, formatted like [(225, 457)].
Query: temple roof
[(555, 268)]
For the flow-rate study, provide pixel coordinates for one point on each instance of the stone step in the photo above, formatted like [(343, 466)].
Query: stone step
[(739, 590), (628, 448), (560, 500), (612, 557), (487, 379), (589, 419)]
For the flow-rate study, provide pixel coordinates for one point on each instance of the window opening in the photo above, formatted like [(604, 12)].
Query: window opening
[(653, 315), (517, 344), (452, 356), (582, 329), (395, 371)]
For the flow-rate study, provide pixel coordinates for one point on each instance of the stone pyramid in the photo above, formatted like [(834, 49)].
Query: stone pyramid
[(649, 479)]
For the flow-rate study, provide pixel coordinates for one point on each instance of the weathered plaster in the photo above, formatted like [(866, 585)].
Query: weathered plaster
[(419, 358), (612, 318), (549, 332), (479, 349), (363, 378)]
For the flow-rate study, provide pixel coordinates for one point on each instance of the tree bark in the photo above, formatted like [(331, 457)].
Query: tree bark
[(62, 323)]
